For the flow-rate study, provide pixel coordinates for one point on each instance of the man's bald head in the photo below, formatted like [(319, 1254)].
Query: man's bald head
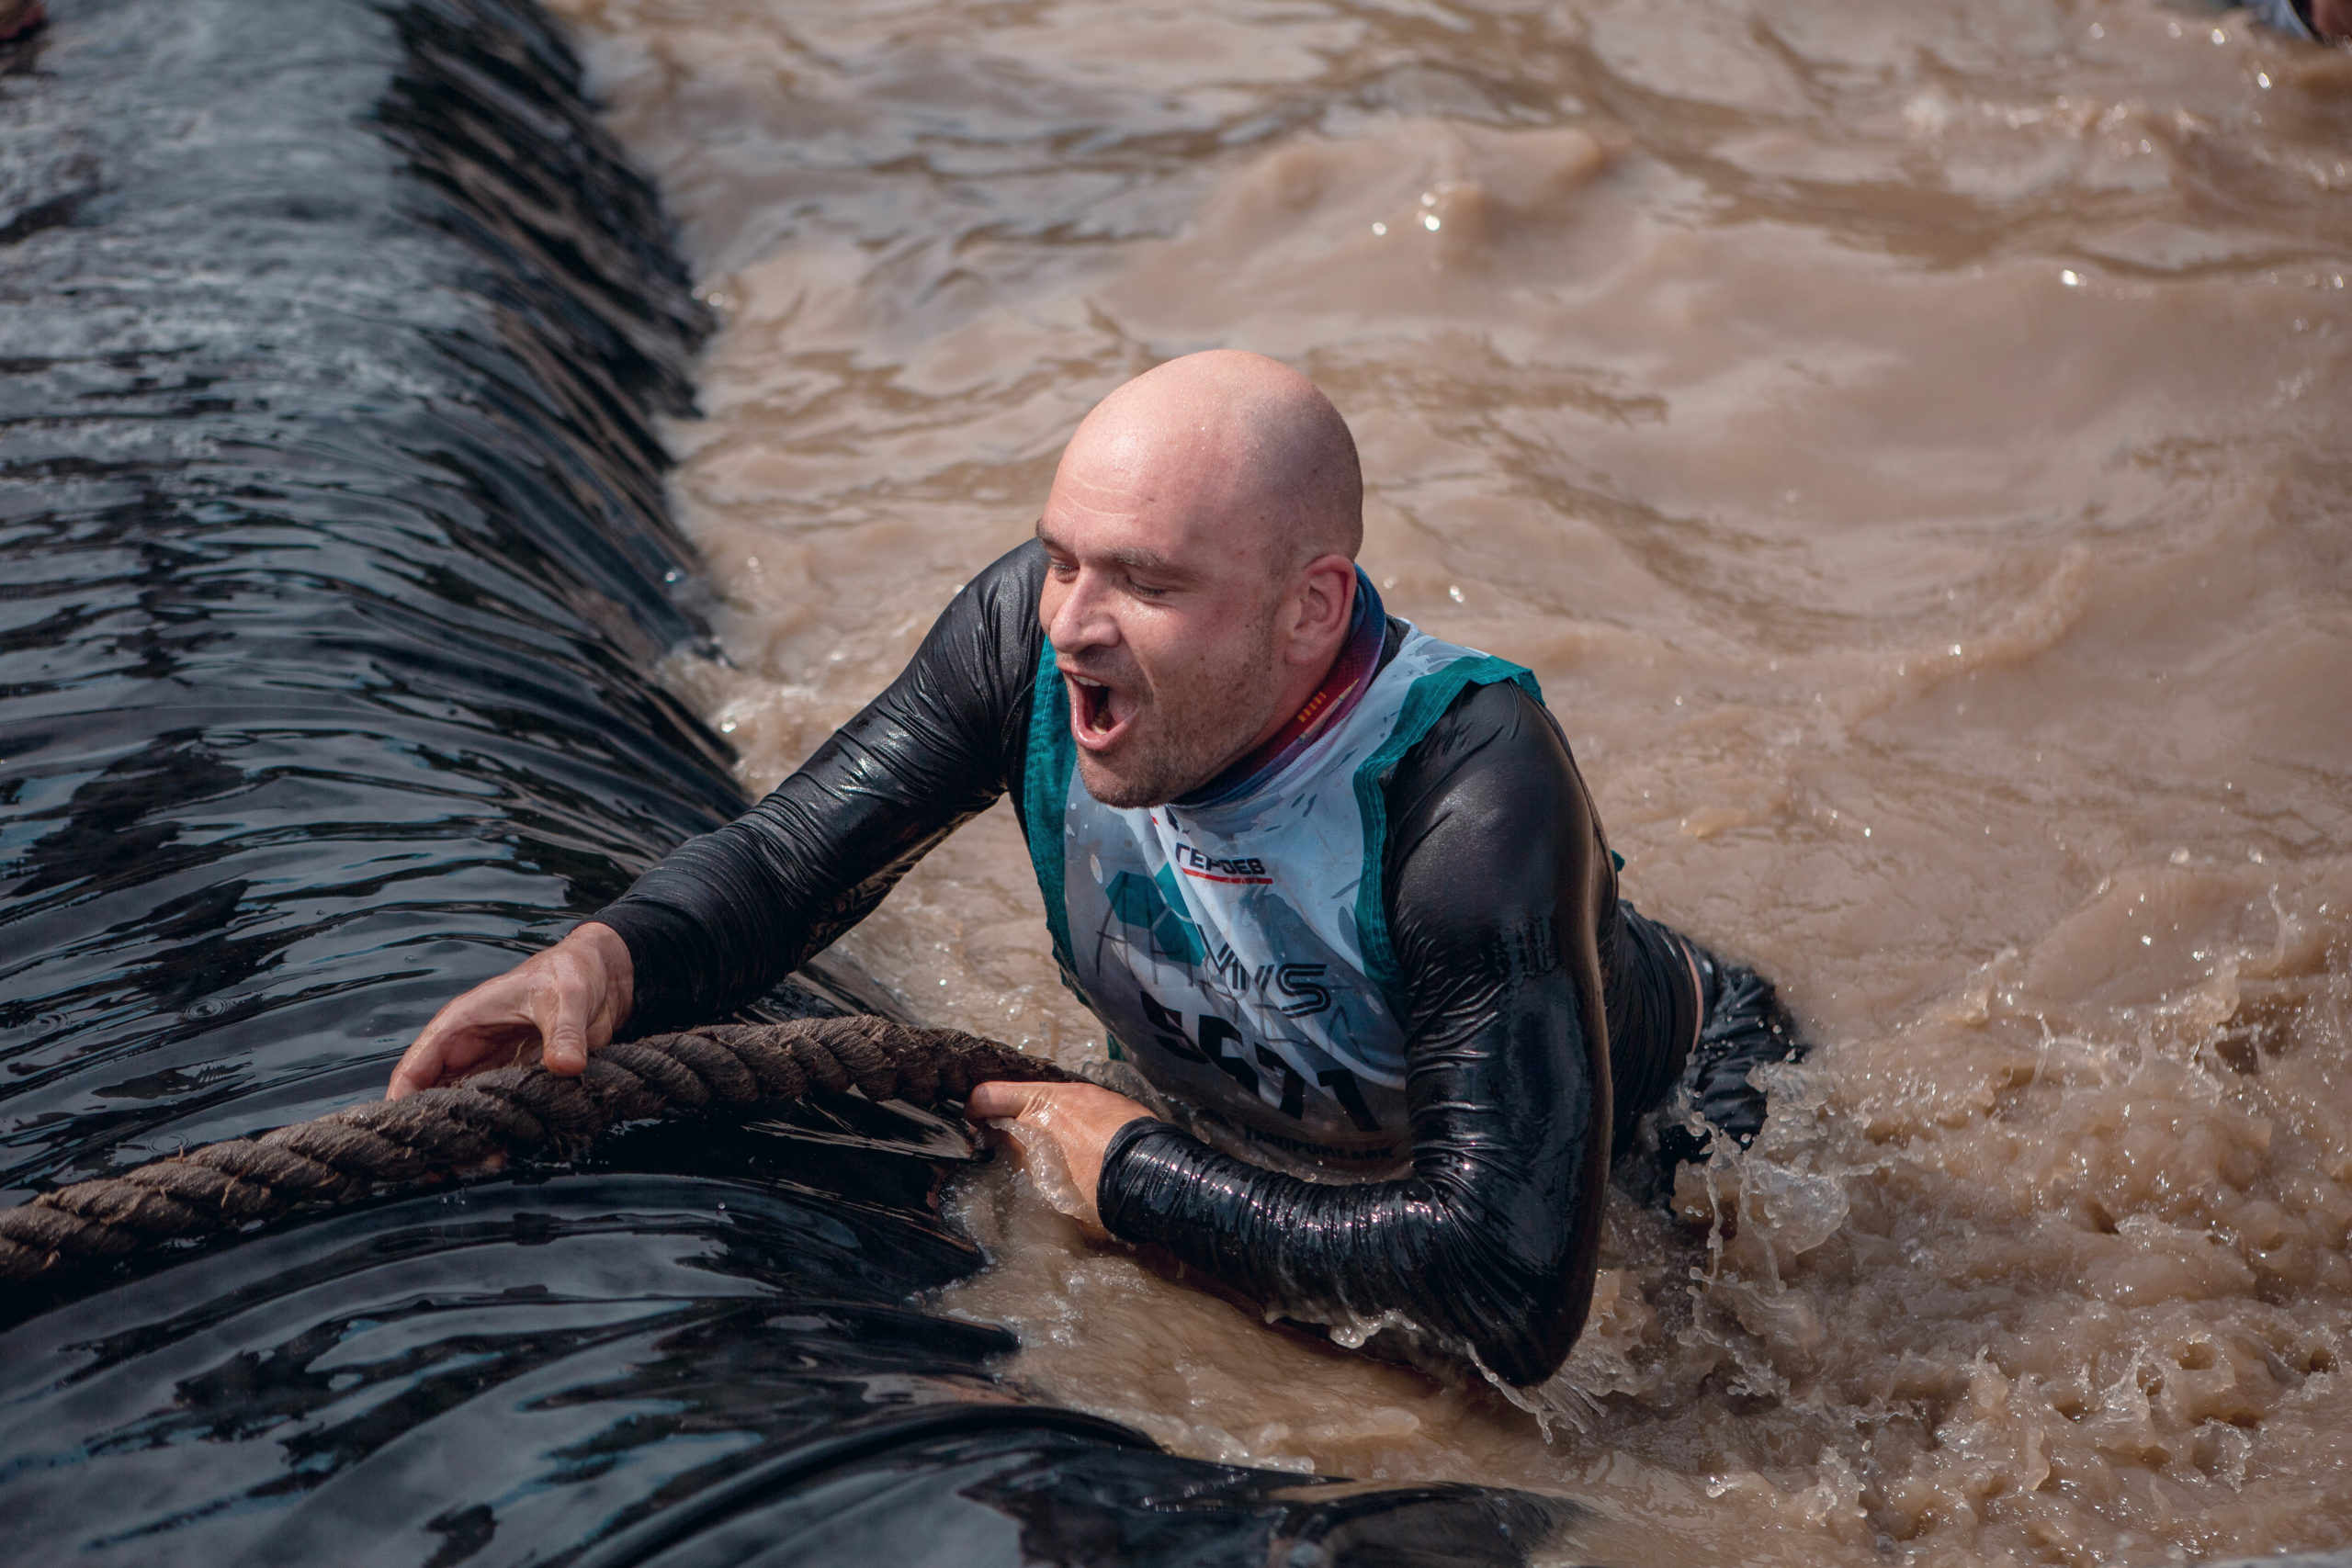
[(1235, 441), (1200, 542)]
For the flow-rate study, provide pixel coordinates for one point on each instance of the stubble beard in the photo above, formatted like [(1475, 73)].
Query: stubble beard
[(1182, 737)]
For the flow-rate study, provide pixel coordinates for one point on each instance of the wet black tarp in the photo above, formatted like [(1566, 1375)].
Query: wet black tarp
[(333, 569)]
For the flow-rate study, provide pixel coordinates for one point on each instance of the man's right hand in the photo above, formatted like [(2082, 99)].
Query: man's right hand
[(553, 1008)]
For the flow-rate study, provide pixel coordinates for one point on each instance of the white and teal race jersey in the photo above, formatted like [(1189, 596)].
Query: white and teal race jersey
[(1238, 952)]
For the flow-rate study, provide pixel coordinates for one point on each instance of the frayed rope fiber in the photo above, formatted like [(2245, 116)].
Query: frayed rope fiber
[(371, 1148)]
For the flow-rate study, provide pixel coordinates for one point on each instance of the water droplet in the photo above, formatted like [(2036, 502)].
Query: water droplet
[(2180, 857), (2071, 278), (1380, 228), (1429, 222), (1456, 589), (725, 726)]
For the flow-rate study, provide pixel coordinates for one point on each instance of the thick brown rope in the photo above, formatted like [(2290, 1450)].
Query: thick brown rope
[(512, 1112)]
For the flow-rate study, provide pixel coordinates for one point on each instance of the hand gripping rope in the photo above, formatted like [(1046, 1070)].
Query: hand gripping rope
[(386, 1145)]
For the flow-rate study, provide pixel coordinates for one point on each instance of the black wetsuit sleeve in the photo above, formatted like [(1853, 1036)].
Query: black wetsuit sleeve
[(727, 915), (1501, 900)]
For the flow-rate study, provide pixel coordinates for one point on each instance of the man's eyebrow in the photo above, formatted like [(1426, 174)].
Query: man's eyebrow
[(1149, 561)]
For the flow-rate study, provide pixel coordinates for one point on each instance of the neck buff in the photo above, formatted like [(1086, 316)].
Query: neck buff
[(1332, 701), (2290, 17)]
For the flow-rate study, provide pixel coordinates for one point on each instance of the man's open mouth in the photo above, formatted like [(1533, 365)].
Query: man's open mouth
[(1097, 713)]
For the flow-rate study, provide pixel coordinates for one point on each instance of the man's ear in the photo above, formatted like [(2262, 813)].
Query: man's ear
[(1324, 599)]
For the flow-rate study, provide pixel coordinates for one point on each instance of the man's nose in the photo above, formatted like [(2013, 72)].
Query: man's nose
[(1079, 613)]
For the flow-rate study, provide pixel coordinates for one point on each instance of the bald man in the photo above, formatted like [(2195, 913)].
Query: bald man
[(1333, 887)]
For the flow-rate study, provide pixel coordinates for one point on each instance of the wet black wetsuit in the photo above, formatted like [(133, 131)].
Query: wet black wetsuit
[(1517, 956)]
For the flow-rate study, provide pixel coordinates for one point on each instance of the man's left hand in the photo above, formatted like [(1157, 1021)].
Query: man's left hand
[(1072, 1122)]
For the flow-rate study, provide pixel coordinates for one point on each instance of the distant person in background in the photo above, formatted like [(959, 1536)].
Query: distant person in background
[(19, 17), (2319, 21)]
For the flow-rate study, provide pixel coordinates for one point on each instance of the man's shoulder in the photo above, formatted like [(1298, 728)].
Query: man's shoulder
[(986, 641), (1486, 810), (1491, 723), (1010, 584), (1496, 704), (1495, 758)]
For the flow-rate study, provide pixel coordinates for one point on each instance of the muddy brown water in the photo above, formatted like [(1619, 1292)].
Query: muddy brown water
[(1908, 443)]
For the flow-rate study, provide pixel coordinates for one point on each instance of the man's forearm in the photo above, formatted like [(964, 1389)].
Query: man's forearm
[(692, 966), (1484, 1253), (729, 914)]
